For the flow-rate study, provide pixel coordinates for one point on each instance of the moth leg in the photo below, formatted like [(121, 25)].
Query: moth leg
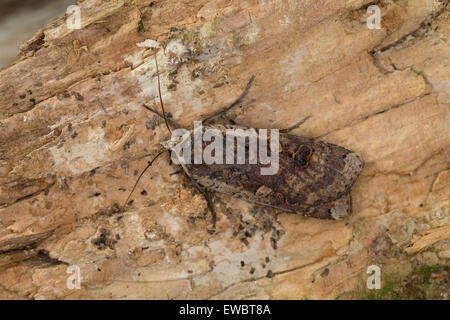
[(207, 195), (235, 103), (295, 126), (335, 210)]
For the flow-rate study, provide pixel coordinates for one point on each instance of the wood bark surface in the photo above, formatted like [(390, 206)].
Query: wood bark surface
[(74, 136)]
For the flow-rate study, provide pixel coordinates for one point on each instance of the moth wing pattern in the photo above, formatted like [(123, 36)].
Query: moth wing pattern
[(314, 178)]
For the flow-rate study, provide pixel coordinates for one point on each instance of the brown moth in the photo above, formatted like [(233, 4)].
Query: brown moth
[(313, 179)]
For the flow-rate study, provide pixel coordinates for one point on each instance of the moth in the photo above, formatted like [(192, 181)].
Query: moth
[(313, 179)]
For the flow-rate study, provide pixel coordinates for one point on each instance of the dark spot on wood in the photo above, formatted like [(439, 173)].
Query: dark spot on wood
[(195, 74), (242, 264), (267, 260), (244, 241), (252, 270), (115, 208), (140, 26), (69, 127), (270, 274), (33, 101), (273, 243), (77, 96), (22, 96), (152, 123), (144, 192), (103, 241), (74, 135), (325, 272), (126, 145)]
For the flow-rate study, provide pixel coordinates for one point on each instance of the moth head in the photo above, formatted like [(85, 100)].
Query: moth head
[(170, 144)]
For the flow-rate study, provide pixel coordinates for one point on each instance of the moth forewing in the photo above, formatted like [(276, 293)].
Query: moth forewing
[(314, 178)]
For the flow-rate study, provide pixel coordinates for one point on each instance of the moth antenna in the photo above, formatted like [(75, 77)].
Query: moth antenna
[(160, 152), (295, 126), (160, 97), (236, 102)]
